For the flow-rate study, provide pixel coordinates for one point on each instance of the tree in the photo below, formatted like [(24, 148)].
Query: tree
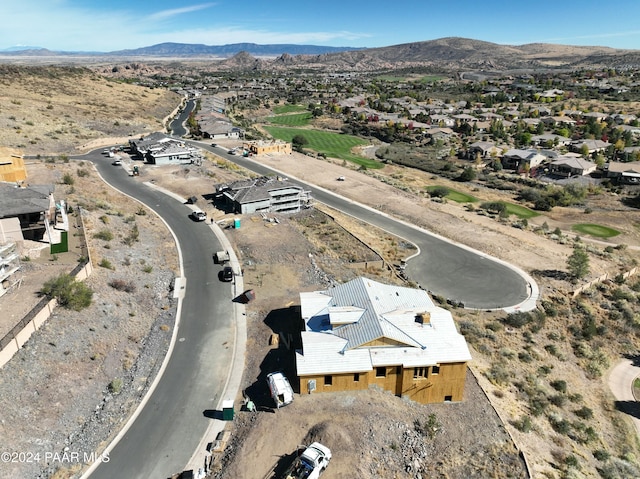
[(578, 263), (298, 142), (69, 292), (468, 174)]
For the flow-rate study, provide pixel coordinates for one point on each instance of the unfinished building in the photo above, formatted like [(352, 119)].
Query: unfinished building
[(264, 194)]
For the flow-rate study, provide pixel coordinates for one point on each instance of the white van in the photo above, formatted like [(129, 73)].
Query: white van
[(281, 390)]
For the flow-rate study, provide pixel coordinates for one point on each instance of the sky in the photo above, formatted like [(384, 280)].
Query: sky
[(110, 25)]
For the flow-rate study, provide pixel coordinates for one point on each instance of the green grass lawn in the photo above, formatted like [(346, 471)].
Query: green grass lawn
[(520, 211), (598, 231), (331, 144), (279, 110), (297, 119), (457, 196)]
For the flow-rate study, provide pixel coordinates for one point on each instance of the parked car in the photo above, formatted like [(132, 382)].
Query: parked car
[(199, 215), (227, 273)]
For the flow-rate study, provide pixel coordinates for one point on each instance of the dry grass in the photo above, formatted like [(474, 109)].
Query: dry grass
[(55, 110)]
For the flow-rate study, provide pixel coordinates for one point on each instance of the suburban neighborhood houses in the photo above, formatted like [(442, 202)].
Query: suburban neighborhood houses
[(537, 171)]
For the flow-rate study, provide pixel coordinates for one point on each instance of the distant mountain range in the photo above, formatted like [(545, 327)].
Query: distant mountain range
[(190, 50), (442, 54)]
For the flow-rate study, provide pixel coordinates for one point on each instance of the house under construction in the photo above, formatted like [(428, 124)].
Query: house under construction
[(264, 194)]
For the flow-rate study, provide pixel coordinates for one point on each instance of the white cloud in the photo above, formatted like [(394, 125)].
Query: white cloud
[(164, 14)]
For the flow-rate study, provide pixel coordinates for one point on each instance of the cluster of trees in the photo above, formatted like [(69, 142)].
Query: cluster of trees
[(545, 199)]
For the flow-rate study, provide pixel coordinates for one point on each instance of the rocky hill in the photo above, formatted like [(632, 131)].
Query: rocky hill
[(452, 54), (462, 53)]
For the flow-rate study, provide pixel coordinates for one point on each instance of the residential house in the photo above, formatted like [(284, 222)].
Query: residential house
[(592, 146), (140, 146), (218, 129), (623, 173), (572, 165), (171, 153), (550, 139), (551, 121), (522, 160), (160, 149), (264, 194), (483, 149), (364, 333), (32, 208)]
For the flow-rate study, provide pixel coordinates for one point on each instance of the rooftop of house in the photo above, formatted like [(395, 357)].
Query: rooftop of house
[(343, 320), (16, 201)]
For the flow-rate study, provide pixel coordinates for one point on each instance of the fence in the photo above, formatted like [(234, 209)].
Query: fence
[(34, 319), (600, 279)]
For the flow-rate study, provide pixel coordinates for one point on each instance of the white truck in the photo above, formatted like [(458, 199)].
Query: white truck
[(310, 464)]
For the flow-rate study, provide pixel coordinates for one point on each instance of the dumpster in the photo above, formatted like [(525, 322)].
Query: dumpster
[(227, 410)]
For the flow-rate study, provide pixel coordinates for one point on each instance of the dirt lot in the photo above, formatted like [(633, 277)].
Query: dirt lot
[(379, 431)]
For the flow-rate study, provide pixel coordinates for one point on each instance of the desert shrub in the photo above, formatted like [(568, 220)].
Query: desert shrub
[(523, 424), (105, 263), (115, 386), (428, 428), (498, 374), (132, 237), (559, 424), (601, 455), (582, 433), (559, 385), (69, 292), (122, 285), (617, 468), (82, 172), (439, 192), (552, 349), (525, 356), (538, 404), (571, 461), (558, 400), (575, 397), (494, 206), (494, 326), (584, 413), (549, 308), (518, 319), (147, 268), (67, 179), (104, 234)]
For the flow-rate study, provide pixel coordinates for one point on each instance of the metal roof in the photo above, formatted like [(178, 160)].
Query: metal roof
[(378, 311)]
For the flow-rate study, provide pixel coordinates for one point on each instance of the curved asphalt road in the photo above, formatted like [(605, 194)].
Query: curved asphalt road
[(177, 125), (169, 428), (449, 270)]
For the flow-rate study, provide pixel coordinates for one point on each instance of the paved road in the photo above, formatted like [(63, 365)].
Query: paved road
[(620, 381), (169, 428), (177, 125), (449, 270)]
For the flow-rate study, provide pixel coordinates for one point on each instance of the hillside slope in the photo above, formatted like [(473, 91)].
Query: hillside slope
[(53, 110)]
